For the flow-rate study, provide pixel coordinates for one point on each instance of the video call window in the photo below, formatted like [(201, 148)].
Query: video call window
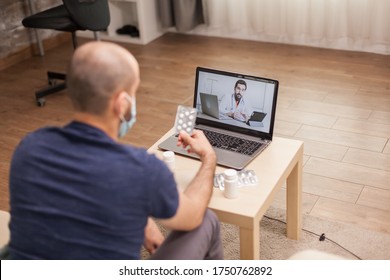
[(235, 100)]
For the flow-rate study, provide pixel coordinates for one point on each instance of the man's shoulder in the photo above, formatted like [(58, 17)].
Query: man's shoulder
[(43, 132)]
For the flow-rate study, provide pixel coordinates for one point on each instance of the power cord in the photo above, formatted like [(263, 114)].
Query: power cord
[(321, 237)]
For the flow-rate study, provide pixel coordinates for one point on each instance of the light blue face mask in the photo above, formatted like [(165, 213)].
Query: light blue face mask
[(125, 126)]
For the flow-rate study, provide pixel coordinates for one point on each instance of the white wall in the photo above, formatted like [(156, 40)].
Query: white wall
[(358, 25)]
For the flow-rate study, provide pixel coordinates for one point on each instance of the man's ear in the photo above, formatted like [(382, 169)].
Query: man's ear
[(120, 104)]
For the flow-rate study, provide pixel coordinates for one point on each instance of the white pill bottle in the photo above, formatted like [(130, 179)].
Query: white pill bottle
[(231, 183), (169, 159)]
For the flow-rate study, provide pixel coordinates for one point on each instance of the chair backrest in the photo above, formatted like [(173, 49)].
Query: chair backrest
[(92, 15)]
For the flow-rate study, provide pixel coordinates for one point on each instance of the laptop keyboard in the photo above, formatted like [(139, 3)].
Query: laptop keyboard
[(231, 143)]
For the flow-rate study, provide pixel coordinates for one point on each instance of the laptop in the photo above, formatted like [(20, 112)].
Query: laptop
[(235, 141), (210, 106)]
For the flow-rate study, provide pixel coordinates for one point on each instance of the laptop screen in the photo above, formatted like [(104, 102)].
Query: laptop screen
[(237, 102)]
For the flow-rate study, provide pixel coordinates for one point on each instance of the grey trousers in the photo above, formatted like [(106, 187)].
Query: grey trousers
[(202, 243)]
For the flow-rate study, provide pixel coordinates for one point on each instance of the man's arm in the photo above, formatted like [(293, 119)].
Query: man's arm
[(247, 112), (194, 200)]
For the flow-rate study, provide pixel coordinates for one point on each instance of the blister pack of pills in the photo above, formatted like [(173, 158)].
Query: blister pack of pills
[(245, 178), (185, 119)]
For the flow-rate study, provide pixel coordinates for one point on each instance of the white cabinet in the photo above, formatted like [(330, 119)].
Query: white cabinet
[(139, 13)]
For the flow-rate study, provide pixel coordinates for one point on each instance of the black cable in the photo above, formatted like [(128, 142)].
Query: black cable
[(321, 237)]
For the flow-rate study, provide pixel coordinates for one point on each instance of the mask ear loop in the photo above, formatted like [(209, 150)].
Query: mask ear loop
[(132, 106), (122, 115)]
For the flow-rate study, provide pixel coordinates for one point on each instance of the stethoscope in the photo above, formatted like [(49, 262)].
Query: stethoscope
[(232, 102)]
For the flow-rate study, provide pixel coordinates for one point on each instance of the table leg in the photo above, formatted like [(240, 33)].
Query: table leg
[(294, 201), (250, 243)]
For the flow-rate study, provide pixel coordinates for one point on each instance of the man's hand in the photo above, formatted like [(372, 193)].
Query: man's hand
[(239, 116), (153, 236), (197, 143)]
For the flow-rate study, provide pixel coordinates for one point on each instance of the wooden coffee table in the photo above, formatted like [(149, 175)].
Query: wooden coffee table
[(279, 163)]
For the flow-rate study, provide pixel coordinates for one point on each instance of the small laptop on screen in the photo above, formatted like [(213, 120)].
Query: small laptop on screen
[(239, 102), (210, 106)]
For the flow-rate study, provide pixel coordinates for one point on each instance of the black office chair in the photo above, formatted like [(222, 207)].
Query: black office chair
[(73, 15)]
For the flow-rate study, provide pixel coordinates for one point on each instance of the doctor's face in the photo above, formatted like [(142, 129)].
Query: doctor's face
[(239, 91)]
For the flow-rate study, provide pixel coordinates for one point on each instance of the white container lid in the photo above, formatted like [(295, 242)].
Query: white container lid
[(230, 174), (168, 156)]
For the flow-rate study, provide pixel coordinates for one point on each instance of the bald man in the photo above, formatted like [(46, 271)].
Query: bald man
[(77, 193)]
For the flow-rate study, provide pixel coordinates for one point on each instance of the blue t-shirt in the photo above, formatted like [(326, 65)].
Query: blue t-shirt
[(77, 194)]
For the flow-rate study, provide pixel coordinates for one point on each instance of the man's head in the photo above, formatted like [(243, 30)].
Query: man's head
[(99, 75), (102, 81), (239, 89)]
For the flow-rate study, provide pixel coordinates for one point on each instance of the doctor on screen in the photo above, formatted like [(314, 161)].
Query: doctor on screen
[(234, 105)]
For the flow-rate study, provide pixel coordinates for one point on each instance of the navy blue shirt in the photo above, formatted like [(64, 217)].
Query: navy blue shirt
[(77, 194)]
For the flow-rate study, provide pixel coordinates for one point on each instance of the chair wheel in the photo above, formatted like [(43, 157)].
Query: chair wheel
[(41, 102), (52, 82)]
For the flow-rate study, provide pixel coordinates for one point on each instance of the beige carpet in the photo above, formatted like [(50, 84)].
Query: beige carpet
[(342, 240), (274, 245)]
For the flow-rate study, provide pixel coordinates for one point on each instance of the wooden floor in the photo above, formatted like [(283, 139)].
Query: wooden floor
[(337, 102)]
